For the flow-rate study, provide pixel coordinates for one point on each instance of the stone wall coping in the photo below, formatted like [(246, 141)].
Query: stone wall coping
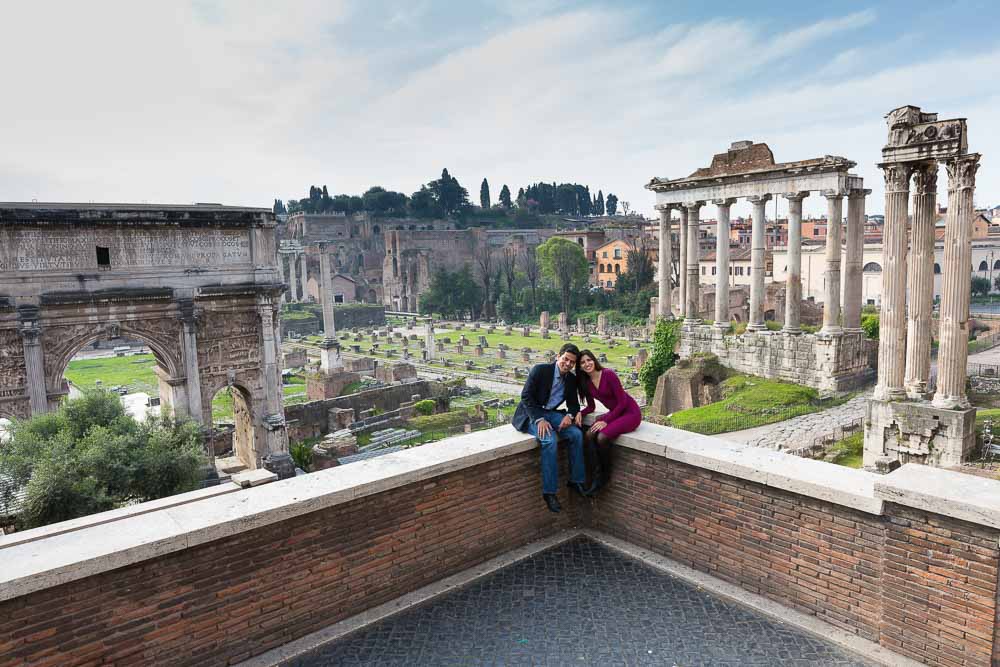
[(955, 494), (31, 565), (815, 479), (7, 541)]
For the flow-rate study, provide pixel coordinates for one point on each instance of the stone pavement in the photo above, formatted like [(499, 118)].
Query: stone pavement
[(801, 431), (579, 603)]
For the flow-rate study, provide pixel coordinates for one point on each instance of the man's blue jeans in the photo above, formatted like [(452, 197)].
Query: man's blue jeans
[(571, 435)]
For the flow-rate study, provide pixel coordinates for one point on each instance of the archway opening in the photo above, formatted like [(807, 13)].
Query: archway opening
[(232, 423), (124, 366)]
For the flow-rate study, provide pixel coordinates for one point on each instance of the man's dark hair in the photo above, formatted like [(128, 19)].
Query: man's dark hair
[(570, 347)]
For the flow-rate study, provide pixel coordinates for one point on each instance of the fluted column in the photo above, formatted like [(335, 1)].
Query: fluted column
[(665, 259), (855, 247), (834, 225), (284, 275), (920, 279), (693, 255), (34, 359), (189, 323), (954, 351), (722, 262), (330, 358), (304, 265), (757, 248), (793, 274), (892, 319), (294, 282), (682, 227)]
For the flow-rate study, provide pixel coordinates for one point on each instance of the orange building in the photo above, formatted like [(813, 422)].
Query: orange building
[(612, 261)]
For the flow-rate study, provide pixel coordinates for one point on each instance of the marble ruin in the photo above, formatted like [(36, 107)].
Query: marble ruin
[(904, 422), (198, 284), (832, 360)]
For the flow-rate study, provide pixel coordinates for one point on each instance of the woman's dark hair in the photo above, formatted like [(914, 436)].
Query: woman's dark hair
[(583, 384)]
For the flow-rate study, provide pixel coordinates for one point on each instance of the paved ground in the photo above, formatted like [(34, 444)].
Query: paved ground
[(800, 431), (580, 603)]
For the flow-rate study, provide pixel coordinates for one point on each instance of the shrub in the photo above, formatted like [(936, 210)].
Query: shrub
[(870, 325), (662, 358), (424, 407), (302, 454)]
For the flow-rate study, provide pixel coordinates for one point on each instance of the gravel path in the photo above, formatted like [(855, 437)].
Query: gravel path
[(801, 431)]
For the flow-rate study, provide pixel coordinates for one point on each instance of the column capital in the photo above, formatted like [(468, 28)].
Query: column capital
[(693, 205), (666, 207), (962, 171), (925, 176), (832, 194), (897, 176), (759, 199), (796, 196), (728, 201), (858, 193)]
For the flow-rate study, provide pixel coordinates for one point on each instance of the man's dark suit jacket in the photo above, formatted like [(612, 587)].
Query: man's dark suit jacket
[(535, 395)]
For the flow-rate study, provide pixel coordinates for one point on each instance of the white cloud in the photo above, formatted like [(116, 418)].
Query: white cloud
[(241, 102)]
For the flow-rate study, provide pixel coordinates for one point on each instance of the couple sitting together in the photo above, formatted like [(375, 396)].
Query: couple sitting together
[(574, 374)]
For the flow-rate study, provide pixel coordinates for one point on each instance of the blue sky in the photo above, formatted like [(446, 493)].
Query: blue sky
[(241, 102)]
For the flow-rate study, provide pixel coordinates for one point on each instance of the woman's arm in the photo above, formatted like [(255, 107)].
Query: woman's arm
[(621, 398), (588, 392)]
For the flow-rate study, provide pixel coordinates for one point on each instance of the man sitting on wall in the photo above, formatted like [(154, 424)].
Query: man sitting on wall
[(548, 386)]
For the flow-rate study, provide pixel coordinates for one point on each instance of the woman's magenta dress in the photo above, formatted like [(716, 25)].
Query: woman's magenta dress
[(623, 414)]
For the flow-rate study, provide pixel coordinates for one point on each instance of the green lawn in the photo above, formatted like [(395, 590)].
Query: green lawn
[(849, 450), (135, 372), (748, 402)]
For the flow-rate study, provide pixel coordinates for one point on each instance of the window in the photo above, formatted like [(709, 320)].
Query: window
[(600, 268), (996, 265), (580, 241), (983, 266), (338, 298), (103, 256), (610, 284), (937, 269), (815, 231), (713, 270), (872, 267), (618, 253), (604, 254), (618, 269), (703, 270)]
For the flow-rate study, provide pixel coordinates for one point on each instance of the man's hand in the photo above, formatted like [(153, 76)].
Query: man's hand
[(543, 428), (579, 419), (598, 426), (566, 422)]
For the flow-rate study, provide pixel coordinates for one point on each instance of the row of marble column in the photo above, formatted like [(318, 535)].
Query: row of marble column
[(291, 276), (835, 319), (908, 267)]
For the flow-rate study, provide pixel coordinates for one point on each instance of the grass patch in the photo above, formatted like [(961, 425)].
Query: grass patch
[(352, 388), (848, 452), (748, 402), (135, 372)]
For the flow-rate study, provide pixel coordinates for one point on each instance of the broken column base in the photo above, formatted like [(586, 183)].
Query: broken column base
[(322, 385), (917, 432), (329, 354)]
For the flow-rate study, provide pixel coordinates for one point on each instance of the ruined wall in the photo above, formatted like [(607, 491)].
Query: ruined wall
[(830, 364)]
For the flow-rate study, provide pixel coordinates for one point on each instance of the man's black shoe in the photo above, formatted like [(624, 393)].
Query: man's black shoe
[(578, 488), (552, 502)]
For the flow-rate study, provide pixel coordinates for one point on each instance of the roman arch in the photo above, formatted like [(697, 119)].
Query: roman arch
[(198, 284)]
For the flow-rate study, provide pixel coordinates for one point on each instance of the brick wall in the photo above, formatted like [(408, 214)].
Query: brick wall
[(239, 596), (920, 584)]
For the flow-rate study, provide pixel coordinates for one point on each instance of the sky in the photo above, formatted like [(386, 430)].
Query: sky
[(241, 102)]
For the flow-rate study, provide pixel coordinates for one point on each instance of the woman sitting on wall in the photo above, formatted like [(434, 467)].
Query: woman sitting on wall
[(624, 417)]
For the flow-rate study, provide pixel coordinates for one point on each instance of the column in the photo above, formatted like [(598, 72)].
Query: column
[(304, 265), (722, 262), (793, 272), (284, 274), (757, 248), (682, 263), (693, 254), (666, 252), (920, 279), (853, 262), (190, 325), (892, 319), (954, 324), (293, 285), (34, 360), (834, 227), (330, 359), (275, 446)]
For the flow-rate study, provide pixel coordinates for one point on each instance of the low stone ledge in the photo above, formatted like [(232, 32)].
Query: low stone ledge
[(100, 518), (807, 477), (67, 556), (252, 478), (955, 494)]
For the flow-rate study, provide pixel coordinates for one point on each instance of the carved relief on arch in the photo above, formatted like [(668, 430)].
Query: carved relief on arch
[(229, 341), (13, 373), (61, 342)]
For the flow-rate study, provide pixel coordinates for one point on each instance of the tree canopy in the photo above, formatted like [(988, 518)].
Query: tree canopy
[(90, 456), (484, 194), (612, 204), (564, 264), (505, 197), (452, 294)]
